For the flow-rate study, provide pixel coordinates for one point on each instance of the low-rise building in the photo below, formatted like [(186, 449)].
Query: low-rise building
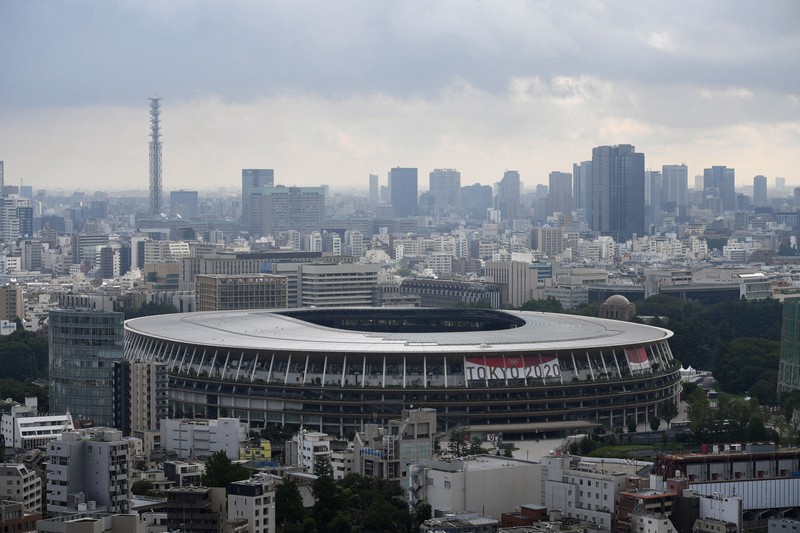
[(200, 438), (24, 428), (253, 500), (21, 484)]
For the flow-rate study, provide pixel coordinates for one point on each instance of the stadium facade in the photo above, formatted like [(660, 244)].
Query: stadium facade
[(338, 369)]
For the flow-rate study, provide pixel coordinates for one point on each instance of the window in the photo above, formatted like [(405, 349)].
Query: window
[(447, 484)]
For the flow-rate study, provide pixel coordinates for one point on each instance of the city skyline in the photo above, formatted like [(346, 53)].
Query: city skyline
[(474, 87)]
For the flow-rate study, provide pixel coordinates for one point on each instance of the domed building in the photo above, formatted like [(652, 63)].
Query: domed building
[(617, 307)]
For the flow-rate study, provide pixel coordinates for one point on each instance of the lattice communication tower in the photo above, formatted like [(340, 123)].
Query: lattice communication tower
[(155, 156)]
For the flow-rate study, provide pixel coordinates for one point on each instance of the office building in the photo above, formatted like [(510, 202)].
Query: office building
[(342, 285), (789, 366), (254, 181), (149, 402), (652, 201), (445, 188), (719, 189), (2, 175), (582, 186), (760, 191), (374, 190), (403, 191), (559, 193), (507, 199), (675, 185), (88, 465), (253, 501), (618, 191), (289, 208), (202, 438), (84, 344), (476, 199), (219, 292), (184, 204)]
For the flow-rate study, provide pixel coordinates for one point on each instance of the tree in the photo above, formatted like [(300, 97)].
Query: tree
[(220, 471), (458, 443), (631, 425), (141, 487), (668, 410), (549, 305), (288, 504), (322, 466), (655, 422)]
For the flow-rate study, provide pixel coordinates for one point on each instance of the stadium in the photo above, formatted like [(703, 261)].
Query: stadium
[(337, 369)]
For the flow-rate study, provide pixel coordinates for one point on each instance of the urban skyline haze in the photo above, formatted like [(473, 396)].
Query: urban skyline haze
[(330, 93)]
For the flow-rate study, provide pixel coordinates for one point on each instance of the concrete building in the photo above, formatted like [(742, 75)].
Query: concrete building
[(387, 453), (88, 465), (581, 490), (508, 193), (21, 484), (307, 447), (93, 521), (675, 185), (149, 402), (253, 500), (289, 208), (183, 474), (14, 517), (12, 303), (517, 280), (244, 291), (23, 427), (201, 438), (84, 345), (559, 198), (196, 509), (617, 307), (341, 285), (759, 191), (489, 484)]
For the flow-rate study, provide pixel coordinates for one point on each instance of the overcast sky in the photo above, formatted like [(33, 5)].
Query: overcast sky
[(329, 92)]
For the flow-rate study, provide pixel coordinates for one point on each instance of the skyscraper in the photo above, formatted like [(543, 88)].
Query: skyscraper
[(560, 193), (155, 156), (652, 200), (254, 180), (374, 190), (719, 189), (403, 191), (582, 186), (83, 345), (617, 191), (760, 191), (2, 177), (508, 192), (445, 187), (476, 199), (674, 184)]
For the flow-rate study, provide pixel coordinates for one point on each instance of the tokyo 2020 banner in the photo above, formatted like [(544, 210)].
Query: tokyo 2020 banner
[(505, 367)]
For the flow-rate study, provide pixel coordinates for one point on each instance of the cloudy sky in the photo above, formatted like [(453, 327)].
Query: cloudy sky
[(329, 92)]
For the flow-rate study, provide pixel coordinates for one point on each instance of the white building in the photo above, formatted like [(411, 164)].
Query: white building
[(253, 500), (200, 438), (306, 447), (21, 484), (91, 464), (585, 491), (487, 484), (24, 428)]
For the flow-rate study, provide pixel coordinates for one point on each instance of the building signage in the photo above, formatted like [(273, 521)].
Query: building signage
[(503, 367)]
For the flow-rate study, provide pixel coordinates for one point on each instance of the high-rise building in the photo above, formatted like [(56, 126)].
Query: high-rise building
[(2, 175), (149, 401), (618, 191), (183, 204), (155, 156), (374, 190), (582, 187), (652, 200), (403, 191), (476, 199), (508, 192), (291, 208), (559, 193), (674, 184), (445, 188), (789, 366), (719, 189), (254, 181), (84, 344), (760, 191)]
